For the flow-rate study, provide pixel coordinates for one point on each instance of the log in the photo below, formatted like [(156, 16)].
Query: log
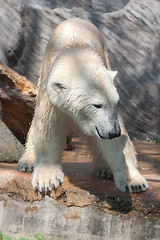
[(17, 96)]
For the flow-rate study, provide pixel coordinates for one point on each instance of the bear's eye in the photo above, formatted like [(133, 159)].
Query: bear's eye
[(98, 105)]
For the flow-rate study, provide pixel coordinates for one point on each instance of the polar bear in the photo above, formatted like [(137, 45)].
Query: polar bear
[(76, 91)]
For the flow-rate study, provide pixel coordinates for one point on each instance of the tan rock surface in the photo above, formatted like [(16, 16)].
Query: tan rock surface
[(82, 187)]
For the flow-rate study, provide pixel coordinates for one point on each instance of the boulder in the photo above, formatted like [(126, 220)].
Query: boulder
[(10, 148), (131, 31)]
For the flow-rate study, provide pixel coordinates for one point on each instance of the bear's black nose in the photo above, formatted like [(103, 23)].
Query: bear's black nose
[(115, 134)]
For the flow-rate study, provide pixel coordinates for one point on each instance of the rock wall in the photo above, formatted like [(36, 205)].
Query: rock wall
[(131, 30)]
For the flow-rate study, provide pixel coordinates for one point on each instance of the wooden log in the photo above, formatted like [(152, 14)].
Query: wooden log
[(17, 96)]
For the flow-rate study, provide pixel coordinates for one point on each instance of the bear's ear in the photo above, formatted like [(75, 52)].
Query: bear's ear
[(112, 74), (59, 87)]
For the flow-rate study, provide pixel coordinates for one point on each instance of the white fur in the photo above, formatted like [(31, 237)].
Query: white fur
[(76, 88)]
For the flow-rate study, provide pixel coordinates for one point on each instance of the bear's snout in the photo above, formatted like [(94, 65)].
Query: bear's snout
[(114, 132)]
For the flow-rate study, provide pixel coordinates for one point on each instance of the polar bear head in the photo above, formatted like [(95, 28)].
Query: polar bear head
[(85, 91)]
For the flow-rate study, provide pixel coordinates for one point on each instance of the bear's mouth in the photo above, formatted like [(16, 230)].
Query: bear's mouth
[(109, 135), (100, 134)]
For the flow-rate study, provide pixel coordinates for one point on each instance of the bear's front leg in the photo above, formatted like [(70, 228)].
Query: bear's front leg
[(121, 158), (48, 136), (125, 170)]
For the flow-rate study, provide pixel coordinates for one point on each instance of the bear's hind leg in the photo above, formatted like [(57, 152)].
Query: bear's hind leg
[(100, 165)]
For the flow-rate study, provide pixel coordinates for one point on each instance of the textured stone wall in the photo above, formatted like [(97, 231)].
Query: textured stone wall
[(131, 30)]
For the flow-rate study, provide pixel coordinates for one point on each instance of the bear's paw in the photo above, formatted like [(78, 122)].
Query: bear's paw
[(134, 184), (26, 164), (47, 178), (104, 173)]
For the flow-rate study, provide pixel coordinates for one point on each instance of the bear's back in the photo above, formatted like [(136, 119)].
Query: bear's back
[(78, 30), (70, 32)]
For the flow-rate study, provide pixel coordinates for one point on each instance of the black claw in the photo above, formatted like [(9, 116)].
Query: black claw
[(139, 186), (127, 188), (136, 187), (48, 191), (42, 192), (53, 186), (100, 173), (132, 187), (32, 168), (36, 190), (25, 168), (144, 185), (60, 183)]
